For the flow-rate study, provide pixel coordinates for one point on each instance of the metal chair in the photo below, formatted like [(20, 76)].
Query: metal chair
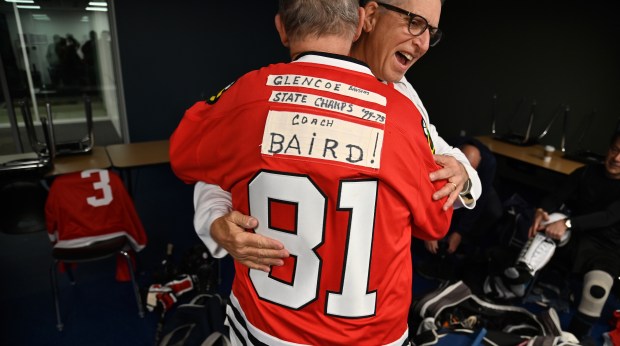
[(96, 251), (90, 217), (22, 194), (36, 163), (81, 146)]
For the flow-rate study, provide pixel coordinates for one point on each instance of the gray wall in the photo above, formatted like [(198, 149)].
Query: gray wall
[(557, 52), (174, 54)]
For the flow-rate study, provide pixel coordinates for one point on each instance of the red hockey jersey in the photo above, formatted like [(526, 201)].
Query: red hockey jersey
[(334, 164), (89, 206)]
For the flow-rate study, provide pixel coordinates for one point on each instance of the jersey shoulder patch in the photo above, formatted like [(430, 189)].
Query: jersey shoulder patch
[(213, 99), (427, 134)]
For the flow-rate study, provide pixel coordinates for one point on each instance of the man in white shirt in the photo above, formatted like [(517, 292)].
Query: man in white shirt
[(390, 45)]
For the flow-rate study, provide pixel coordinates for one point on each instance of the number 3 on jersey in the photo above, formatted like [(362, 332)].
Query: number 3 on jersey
[(103, 184), (358, 197)]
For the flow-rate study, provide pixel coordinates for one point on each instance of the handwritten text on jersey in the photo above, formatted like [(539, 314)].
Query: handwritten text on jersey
[(327, 103), (326, 85), (321, 137)]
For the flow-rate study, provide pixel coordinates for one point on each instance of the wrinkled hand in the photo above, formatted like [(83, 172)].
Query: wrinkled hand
[(251, 249), (539, 216), (454, 240), (432, 246), (455, 175)]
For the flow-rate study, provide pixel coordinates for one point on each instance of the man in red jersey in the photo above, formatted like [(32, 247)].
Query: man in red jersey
[(392, 39), (335, 166)]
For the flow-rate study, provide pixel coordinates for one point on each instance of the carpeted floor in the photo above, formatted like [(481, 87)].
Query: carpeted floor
[(98, 310)]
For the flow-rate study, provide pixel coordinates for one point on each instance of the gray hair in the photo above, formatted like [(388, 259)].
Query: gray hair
[(318, 18)]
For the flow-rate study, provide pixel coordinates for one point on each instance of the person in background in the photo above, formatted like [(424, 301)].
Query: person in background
[(53, 60), (91, 59), (575, 232), (321, 153), (469, 227), (591, 196), (71, 63), (392, 40)]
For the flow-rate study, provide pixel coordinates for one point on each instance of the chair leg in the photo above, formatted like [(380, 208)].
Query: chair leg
[(134, 283), (69, 271), (54, 279)]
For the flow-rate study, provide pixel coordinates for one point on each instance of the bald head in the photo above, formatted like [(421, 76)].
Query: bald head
[(472, 153)]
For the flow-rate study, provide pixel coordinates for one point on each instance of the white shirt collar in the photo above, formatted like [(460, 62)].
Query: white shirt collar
[(333, 60)]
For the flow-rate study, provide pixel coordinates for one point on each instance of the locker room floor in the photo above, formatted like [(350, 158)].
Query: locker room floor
[(98, 310)]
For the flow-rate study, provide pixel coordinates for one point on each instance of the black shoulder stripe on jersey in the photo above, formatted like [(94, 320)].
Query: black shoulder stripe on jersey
[(427, 133), (213, 99)]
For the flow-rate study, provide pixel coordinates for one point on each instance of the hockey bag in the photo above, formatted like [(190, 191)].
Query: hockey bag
[(199, 322), (456, 310)]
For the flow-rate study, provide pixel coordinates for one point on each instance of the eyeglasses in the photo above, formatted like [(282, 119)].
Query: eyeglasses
[(417, 24)]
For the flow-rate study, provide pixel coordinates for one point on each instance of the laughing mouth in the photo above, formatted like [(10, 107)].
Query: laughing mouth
[(404, 58)]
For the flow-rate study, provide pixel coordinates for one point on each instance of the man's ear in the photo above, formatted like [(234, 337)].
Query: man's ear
[(281, 31), (362, 16), (370, 19)]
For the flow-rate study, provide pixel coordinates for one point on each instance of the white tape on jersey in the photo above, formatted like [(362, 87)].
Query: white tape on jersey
[(322, 137)]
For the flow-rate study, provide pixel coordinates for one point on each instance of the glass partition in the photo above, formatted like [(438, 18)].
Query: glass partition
[(58, 52)]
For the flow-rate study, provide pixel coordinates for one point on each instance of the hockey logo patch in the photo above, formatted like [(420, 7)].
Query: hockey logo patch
[(322, 137), (213, 99)]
